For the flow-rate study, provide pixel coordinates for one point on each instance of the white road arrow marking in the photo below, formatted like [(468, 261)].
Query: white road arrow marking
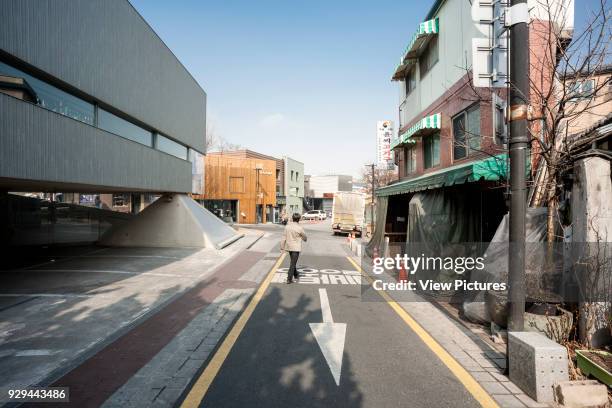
[(330, 337)]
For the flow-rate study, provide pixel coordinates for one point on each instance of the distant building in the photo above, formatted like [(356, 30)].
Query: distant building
[(591, 97), (322, 189), (240, 186), (384, 154), (294, 186), (359, 187)]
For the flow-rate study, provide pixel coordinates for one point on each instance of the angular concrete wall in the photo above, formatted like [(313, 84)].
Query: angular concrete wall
[(172, 221)]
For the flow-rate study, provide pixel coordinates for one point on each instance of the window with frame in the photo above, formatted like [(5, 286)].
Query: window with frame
[(410, 81), (429, 57), (582, 89), (431, 150), (409, 160), (466, 132)]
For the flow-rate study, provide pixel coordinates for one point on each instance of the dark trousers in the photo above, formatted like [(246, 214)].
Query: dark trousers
[(294, 255)]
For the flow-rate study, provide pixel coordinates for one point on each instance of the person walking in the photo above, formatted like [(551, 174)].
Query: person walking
[(292, 242)]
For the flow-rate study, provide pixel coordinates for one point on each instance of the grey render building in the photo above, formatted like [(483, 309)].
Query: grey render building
[(92, 100), (294, 186)]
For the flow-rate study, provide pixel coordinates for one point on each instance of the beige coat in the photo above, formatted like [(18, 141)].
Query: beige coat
[(292, 237)]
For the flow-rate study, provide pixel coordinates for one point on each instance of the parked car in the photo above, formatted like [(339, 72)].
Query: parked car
[(314, 215)]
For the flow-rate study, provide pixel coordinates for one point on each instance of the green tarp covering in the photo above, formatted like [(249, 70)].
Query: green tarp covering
[(491, 169)]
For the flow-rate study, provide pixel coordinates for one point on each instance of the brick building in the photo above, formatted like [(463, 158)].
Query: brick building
[(450, 148)]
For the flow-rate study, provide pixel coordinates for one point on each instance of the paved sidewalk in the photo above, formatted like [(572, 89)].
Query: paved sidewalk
[(161, 382), (64, 304), (164, 379)]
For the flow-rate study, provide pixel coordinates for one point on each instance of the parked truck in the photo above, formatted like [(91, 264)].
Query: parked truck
[(348, 211)]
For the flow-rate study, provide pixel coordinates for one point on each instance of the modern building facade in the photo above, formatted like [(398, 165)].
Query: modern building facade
[(93, 100), (240, 186), (322, 189), (294, 186)]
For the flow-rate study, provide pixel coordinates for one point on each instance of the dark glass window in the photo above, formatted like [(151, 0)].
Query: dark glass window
[(121, 127), (52, 98), (410, 158), (171, 147), (431, 150), (429, 57), (466, 132), (410, 81)]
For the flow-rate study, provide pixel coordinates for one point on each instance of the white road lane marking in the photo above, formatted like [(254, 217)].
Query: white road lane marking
[(325, 308), (330, 336)]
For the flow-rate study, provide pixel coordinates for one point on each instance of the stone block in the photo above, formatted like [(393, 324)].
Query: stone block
[(536, 364), (581, 394)]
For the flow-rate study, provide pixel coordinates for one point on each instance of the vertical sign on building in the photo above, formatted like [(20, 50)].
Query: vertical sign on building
[(384, 154)]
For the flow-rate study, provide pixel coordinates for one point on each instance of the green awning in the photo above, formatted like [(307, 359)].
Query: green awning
[(491, 169), (401, 69), (425, 31), (432, 122)]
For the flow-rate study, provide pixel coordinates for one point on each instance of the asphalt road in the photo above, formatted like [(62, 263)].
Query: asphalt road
[(278, 362)]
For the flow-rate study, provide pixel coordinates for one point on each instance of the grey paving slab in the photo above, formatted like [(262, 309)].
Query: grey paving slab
[(508, 401), (89, 301), (162, 381)]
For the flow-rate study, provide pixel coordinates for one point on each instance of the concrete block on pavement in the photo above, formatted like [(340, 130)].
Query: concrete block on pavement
[(536, 364), (581, 394)]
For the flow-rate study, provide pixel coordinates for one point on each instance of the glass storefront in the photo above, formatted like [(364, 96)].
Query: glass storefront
[(227, 210)]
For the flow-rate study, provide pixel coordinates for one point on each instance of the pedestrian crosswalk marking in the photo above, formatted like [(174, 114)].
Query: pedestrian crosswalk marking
[(313, 276)]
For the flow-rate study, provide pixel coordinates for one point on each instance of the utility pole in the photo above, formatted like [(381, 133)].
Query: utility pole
[(372, 166), (518, 145), (257, 170)]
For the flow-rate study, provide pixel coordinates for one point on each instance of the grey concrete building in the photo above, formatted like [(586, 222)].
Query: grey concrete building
[(294, 185), (102, 104), (91, 101)]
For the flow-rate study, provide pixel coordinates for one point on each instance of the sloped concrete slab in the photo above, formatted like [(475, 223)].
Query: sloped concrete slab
[(174, 220)]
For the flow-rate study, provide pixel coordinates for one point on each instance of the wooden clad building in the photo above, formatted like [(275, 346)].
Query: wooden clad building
[(240, 186)]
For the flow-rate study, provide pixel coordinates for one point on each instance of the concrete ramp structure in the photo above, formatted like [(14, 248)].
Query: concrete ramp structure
[(174, 220)]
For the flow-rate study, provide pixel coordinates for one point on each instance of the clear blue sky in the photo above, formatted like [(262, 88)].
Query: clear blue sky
[(306, 79)]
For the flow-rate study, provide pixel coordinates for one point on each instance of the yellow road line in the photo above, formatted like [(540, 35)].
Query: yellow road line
[(199, 389), (457, 369)]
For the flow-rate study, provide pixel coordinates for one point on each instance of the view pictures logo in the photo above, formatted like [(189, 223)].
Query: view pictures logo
[(428, 263)]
